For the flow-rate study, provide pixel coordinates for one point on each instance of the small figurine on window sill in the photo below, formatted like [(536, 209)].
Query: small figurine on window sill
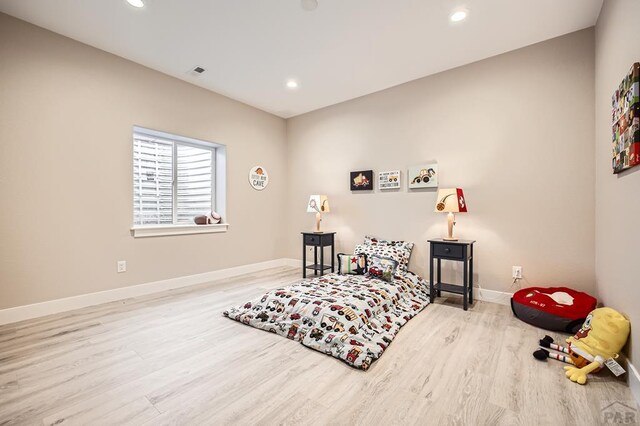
[(210, 219)]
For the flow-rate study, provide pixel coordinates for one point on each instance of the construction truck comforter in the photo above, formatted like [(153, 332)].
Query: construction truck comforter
[(350, 317)]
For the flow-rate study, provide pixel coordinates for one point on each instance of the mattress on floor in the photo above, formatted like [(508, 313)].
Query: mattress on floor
[(350, 317)]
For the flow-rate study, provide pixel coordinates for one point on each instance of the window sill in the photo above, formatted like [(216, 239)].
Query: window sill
[(166, 230)]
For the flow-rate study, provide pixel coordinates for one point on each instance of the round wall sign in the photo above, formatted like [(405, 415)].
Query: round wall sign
[(258, 178)]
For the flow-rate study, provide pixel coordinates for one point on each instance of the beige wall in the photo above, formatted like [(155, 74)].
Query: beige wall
[(66, 117), (514, 131), (617, 196), (510, 130)]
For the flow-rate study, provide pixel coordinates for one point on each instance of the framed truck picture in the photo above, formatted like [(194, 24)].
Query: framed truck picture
[(389, 179), (361, 180)]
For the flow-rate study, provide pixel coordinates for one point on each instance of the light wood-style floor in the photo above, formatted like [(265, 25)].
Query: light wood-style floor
[(172, 358)]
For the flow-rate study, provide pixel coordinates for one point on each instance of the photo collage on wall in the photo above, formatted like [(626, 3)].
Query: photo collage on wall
[(418, 177), (625, 114)]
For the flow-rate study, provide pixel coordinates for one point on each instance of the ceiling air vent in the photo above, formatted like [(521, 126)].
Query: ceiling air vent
[(197, 71)]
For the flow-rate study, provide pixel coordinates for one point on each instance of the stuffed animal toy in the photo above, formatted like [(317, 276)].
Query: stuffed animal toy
[(209, 219), (602, 336)]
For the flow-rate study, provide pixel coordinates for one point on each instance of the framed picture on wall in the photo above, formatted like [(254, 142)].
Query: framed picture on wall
[(424, 176), (625, 112), (389, 179), (361, 180), (258, 178)]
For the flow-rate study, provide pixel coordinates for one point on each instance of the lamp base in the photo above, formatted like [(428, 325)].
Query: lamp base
[(451, 220)]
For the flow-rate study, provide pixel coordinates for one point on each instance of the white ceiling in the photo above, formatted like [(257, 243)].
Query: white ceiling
[(342, 50)]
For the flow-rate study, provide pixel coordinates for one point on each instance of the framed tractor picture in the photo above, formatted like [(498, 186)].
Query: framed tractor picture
[(425, 176), (625, 113)]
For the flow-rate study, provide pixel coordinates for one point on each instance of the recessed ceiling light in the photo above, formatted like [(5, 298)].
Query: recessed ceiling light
[(458, 16), (309, 4), (292, 84), (136, 3)]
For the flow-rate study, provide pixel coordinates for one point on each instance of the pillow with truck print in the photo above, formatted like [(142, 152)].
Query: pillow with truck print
[(400, 255), (401, 249), (383, 268)]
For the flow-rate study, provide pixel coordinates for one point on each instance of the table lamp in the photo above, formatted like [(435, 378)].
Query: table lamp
[(318, 204), (452, 201)]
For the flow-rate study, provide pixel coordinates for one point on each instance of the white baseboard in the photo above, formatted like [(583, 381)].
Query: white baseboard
[(634, 382), (36, 310), (501, 297), (493, 296), (297, 263), (294, 263), (21, 313)]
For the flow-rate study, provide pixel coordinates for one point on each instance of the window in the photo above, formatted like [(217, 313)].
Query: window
[(175, 179)]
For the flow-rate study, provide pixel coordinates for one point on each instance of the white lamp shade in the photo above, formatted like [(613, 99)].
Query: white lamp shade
[(451, 200), (318, 203)]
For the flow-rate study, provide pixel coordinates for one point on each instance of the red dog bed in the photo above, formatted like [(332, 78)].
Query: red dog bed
[(553, 308)]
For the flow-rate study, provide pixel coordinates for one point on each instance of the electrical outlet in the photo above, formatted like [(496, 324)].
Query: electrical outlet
[(122, 266), (516, 272)]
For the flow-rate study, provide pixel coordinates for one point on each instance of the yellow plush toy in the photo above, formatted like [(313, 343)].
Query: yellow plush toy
[(602, 336)]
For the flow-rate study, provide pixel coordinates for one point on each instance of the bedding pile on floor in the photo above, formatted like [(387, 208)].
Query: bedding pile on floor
[(350, 317)]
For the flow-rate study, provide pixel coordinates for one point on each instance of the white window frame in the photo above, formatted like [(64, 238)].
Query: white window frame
[(219, 183)]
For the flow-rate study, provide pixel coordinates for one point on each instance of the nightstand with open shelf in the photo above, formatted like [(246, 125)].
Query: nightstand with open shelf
[(456, 250), (317, 240)]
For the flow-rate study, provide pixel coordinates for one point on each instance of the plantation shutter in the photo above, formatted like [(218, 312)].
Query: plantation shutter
[(195, 182), (152, 182), (172, 181)]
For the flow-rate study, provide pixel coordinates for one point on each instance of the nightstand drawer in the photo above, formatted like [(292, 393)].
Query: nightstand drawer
[(453, 251), (318, 239), (312, 240)]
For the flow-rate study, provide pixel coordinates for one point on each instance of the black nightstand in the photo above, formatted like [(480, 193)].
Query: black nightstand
[(322, 240), (461, 251)]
